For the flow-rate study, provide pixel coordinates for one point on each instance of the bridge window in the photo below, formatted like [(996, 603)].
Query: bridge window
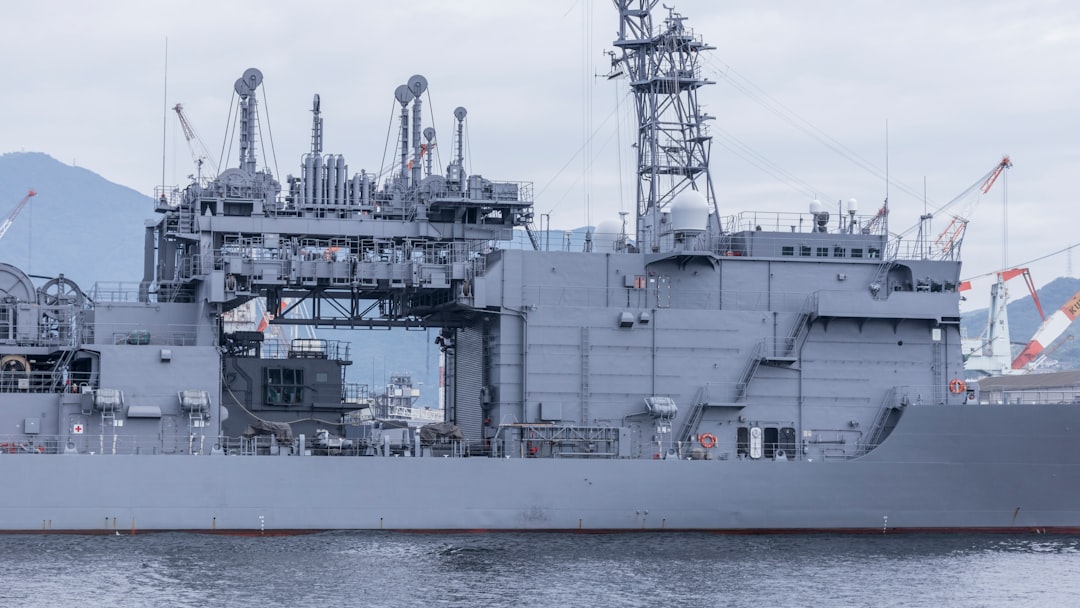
[(804, 250), (856, 252), (838, 252), (823, 252), (787, 250), (284, 386)]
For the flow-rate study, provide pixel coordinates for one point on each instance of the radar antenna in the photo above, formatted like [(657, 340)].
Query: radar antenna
[(673, 143)]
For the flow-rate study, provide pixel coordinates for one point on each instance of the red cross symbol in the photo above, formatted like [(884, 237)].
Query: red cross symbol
[(77, 429)]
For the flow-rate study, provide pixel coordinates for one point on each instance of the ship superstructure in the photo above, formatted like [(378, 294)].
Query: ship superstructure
[(761, 371)]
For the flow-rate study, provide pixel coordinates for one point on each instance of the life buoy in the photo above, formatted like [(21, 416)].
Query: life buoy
[(707, 440), (957, 386)]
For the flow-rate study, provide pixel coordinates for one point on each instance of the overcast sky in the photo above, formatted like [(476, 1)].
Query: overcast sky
[(959, 84)]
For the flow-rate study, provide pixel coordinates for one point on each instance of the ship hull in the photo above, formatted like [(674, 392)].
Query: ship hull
[(992, 468)]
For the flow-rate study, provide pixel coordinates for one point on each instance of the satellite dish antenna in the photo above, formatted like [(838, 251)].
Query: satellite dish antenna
[(250, 81), (460, 113), (403, 94), (417, 84), (429, 134)]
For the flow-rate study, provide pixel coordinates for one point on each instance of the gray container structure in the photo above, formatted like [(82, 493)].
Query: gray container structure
[(760, 372)]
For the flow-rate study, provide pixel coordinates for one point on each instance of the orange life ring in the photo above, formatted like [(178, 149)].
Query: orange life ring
[(707, 440), (957, 386)]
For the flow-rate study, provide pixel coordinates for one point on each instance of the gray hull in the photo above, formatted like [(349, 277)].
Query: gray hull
[(925, 477)]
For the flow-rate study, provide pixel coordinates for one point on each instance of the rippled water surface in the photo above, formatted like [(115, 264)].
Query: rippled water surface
[(672, 569)]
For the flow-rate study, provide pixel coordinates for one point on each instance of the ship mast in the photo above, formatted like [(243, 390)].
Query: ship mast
[(245, 87), (673, 143)]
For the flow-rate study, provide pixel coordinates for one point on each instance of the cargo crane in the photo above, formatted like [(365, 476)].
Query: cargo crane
[(199, 153), (947, 244), (10, 219), (953, 234), (1050, 330), (991, 352)]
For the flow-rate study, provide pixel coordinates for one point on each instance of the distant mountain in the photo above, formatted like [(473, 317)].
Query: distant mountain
[(79, 224), (1024, 319)]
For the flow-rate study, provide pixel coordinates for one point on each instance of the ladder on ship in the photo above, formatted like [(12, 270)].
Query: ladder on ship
[(888, 415), (702, 402), (61, 370), (751, 367), (186, 219), (782, 352), (696, 414), (108, 421), (785, 351)]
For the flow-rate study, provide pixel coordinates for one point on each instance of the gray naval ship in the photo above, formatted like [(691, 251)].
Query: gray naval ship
[(695, 371)]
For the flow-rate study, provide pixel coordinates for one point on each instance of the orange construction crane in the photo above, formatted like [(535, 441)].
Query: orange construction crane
[(10, 219), (953, 234)]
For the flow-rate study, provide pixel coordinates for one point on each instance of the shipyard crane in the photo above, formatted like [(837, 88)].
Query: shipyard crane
[(199, 153), (10, 219), (953, 234), (1051, 329), (991, 352), (1005, 275), (947, 244)]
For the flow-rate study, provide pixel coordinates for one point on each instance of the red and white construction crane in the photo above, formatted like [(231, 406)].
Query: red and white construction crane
[(953, 235), (1049, 331), (991, 353), (10, 219)]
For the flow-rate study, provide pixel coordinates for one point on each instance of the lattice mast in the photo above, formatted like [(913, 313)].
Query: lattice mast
[(673, 142)]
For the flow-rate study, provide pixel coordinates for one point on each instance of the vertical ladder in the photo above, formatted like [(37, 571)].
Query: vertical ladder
[(585, 375), (108, 420), (938, 370)]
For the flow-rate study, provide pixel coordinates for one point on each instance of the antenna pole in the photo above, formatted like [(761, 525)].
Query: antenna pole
[(886, 221), (164, 113)]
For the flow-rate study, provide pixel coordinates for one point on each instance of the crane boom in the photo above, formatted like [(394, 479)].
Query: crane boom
[(953, 234), (1049, 331), (10, 219), (199, 153), (1005, 163)]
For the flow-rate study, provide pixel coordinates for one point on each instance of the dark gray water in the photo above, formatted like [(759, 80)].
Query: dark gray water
[(399, 569)]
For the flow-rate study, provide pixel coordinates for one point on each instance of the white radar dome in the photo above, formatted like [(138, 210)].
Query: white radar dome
[(607, 232), (852, 205), (689, 212), (816, 206)]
